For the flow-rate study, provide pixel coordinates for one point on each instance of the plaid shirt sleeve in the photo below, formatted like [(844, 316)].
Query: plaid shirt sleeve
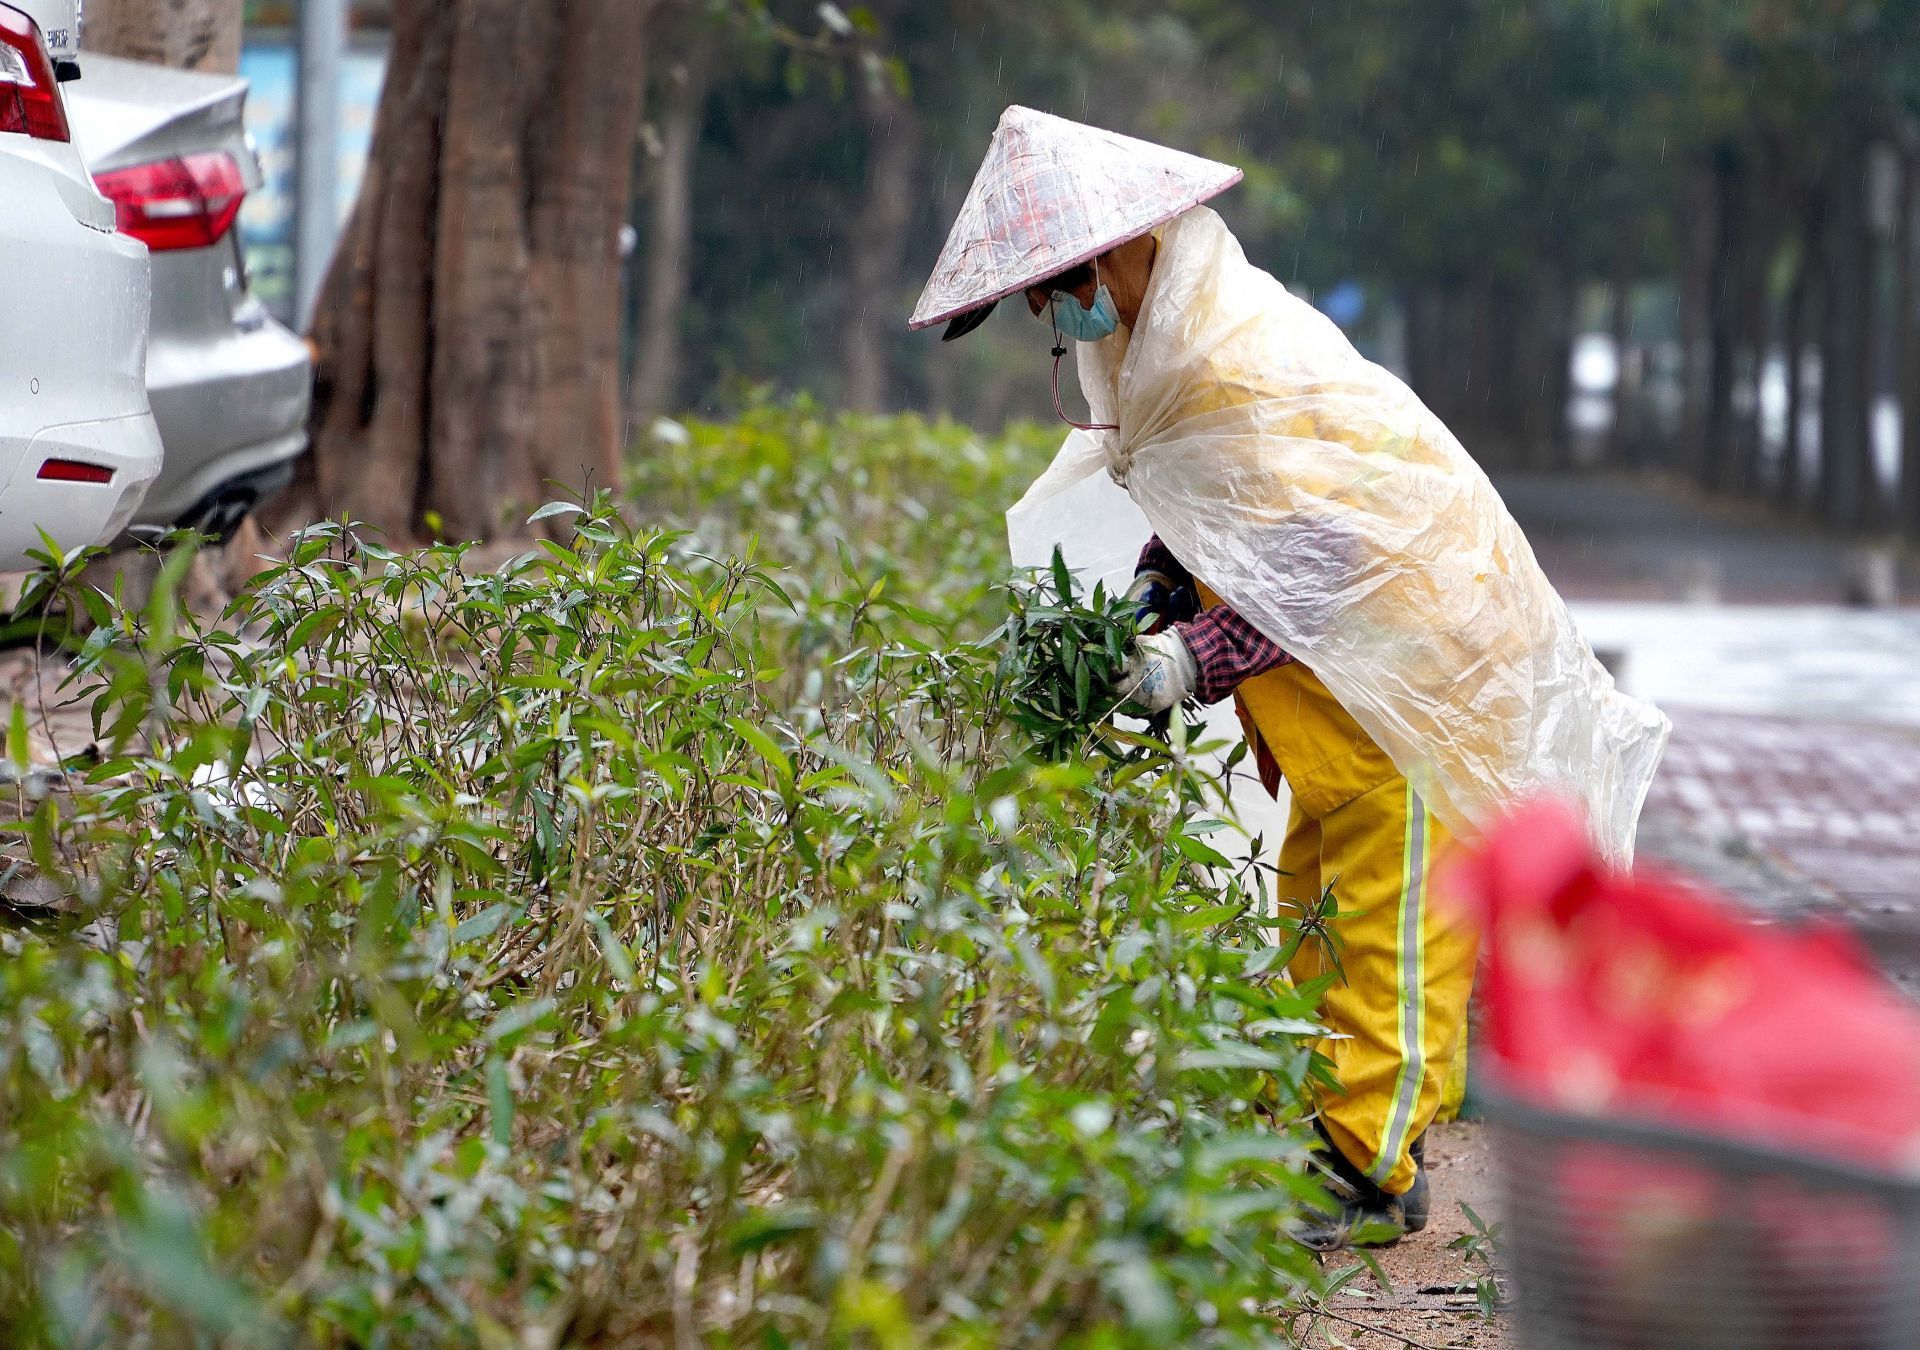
[(1157, 557), (1229, 651)]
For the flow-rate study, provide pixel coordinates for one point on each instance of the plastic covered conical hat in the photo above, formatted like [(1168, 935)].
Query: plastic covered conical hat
[(1051, 195)]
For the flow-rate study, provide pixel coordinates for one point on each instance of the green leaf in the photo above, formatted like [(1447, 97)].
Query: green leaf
[(518, 1018), (764, 1228), (1145, 1294), (552, 509), (1232, 1056), (19, 748), (611, 948), (1062, 577), (482, 924), (500, 1101), (164, 1249)]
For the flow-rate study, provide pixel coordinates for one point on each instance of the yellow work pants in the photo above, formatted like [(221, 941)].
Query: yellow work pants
[(1359, 830)]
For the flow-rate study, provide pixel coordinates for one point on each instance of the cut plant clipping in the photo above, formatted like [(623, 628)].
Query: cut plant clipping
[(1065, 664)]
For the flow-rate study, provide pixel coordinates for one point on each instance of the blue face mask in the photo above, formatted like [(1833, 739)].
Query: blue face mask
[(1085, 325)]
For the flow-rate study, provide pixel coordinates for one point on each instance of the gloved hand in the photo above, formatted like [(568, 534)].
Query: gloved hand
[(1161, 673), (1159, 597)]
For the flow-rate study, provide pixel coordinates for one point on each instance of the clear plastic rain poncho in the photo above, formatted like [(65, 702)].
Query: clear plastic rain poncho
[(1317, 495)]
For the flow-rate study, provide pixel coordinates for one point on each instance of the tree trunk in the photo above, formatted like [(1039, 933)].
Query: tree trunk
[(1626, 247), (1763, 235), (1907, 343), (1802, 323), (1787, 473), (1425, 344), (668, 274), (1548, 367), (1846, 465), (1723, 313), (190, 34), (1699, 234), (468, 332), (1499, 352), (1476, 356), (877, 241)]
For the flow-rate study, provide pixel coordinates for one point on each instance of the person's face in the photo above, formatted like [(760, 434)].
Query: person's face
[(1076, 281)]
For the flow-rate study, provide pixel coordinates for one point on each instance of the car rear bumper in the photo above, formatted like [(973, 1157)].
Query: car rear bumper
[(77, 515), (74, 296), (227, 407)]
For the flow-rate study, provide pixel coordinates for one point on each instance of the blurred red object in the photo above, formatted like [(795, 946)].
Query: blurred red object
[(1645, 996)]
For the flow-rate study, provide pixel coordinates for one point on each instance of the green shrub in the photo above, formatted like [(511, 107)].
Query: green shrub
[(641, 944), (1064, 663)]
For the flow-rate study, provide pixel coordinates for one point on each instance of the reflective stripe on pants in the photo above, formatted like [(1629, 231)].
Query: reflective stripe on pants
[(1407, 965)]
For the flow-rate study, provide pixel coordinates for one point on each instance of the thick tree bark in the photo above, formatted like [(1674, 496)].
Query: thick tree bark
[(877, 242), (468, 332), (668, 273), (1846, 384), (190, 34)]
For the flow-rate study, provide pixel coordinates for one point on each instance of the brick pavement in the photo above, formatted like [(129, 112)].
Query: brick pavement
[(1793, 779), (1797, 815)]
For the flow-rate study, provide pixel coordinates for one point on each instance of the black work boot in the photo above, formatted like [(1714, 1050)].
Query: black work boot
[(1363, 1215), (1417, 1203)]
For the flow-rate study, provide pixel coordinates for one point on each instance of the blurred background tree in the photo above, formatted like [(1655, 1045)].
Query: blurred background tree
[(194, 34), (1713, 201)]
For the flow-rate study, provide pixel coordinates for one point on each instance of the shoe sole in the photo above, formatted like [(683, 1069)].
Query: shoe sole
[(1378, 1244)]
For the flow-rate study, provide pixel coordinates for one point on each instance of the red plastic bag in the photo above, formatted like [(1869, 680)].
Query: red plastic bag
[(1647, 997)]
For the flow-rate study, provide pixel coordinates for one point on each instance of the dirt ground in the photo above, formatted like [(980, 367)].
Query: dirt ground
[(1431, 1300)]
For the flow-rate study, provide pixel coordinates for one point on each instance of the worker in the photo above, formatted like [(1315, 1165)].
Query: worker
[(1326, 554)]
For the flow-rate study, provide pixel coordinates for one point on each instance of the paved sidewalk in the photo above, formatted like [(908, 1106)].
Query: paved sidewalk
[(1800, 661), (1621, 537), (1797, 816), (1793, 778)]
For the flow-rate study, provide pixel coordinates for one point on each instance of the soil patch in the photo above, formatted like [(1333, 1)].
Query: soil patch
[(1431, 1300)]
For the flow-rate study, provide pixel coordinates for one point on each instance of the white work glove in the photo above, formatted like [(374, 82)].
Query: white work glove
[(1161, 673)]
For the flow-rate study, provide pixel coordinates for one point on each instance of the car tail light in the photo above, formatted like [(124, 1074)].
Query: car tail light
[(74, 471), (29, 95), (190, 202)]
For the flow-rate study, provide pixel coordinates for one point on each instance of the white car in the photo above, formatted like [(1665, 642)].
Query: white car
[(78, 444), (230, 387)]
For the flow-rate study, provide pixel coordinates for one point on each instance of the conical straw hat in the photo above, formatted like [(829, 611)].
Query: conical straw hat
[(1050, 195)]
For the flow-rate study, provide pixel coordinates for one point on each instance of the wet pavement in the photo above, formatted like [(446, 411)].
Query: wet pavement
[(1799, 817), (1793, 661), (1793, 777), (1661, 539)]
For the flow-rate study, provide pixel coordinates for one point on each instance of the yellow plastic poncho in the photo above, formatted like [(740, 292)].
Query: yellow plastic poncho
[(1316, 494)]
